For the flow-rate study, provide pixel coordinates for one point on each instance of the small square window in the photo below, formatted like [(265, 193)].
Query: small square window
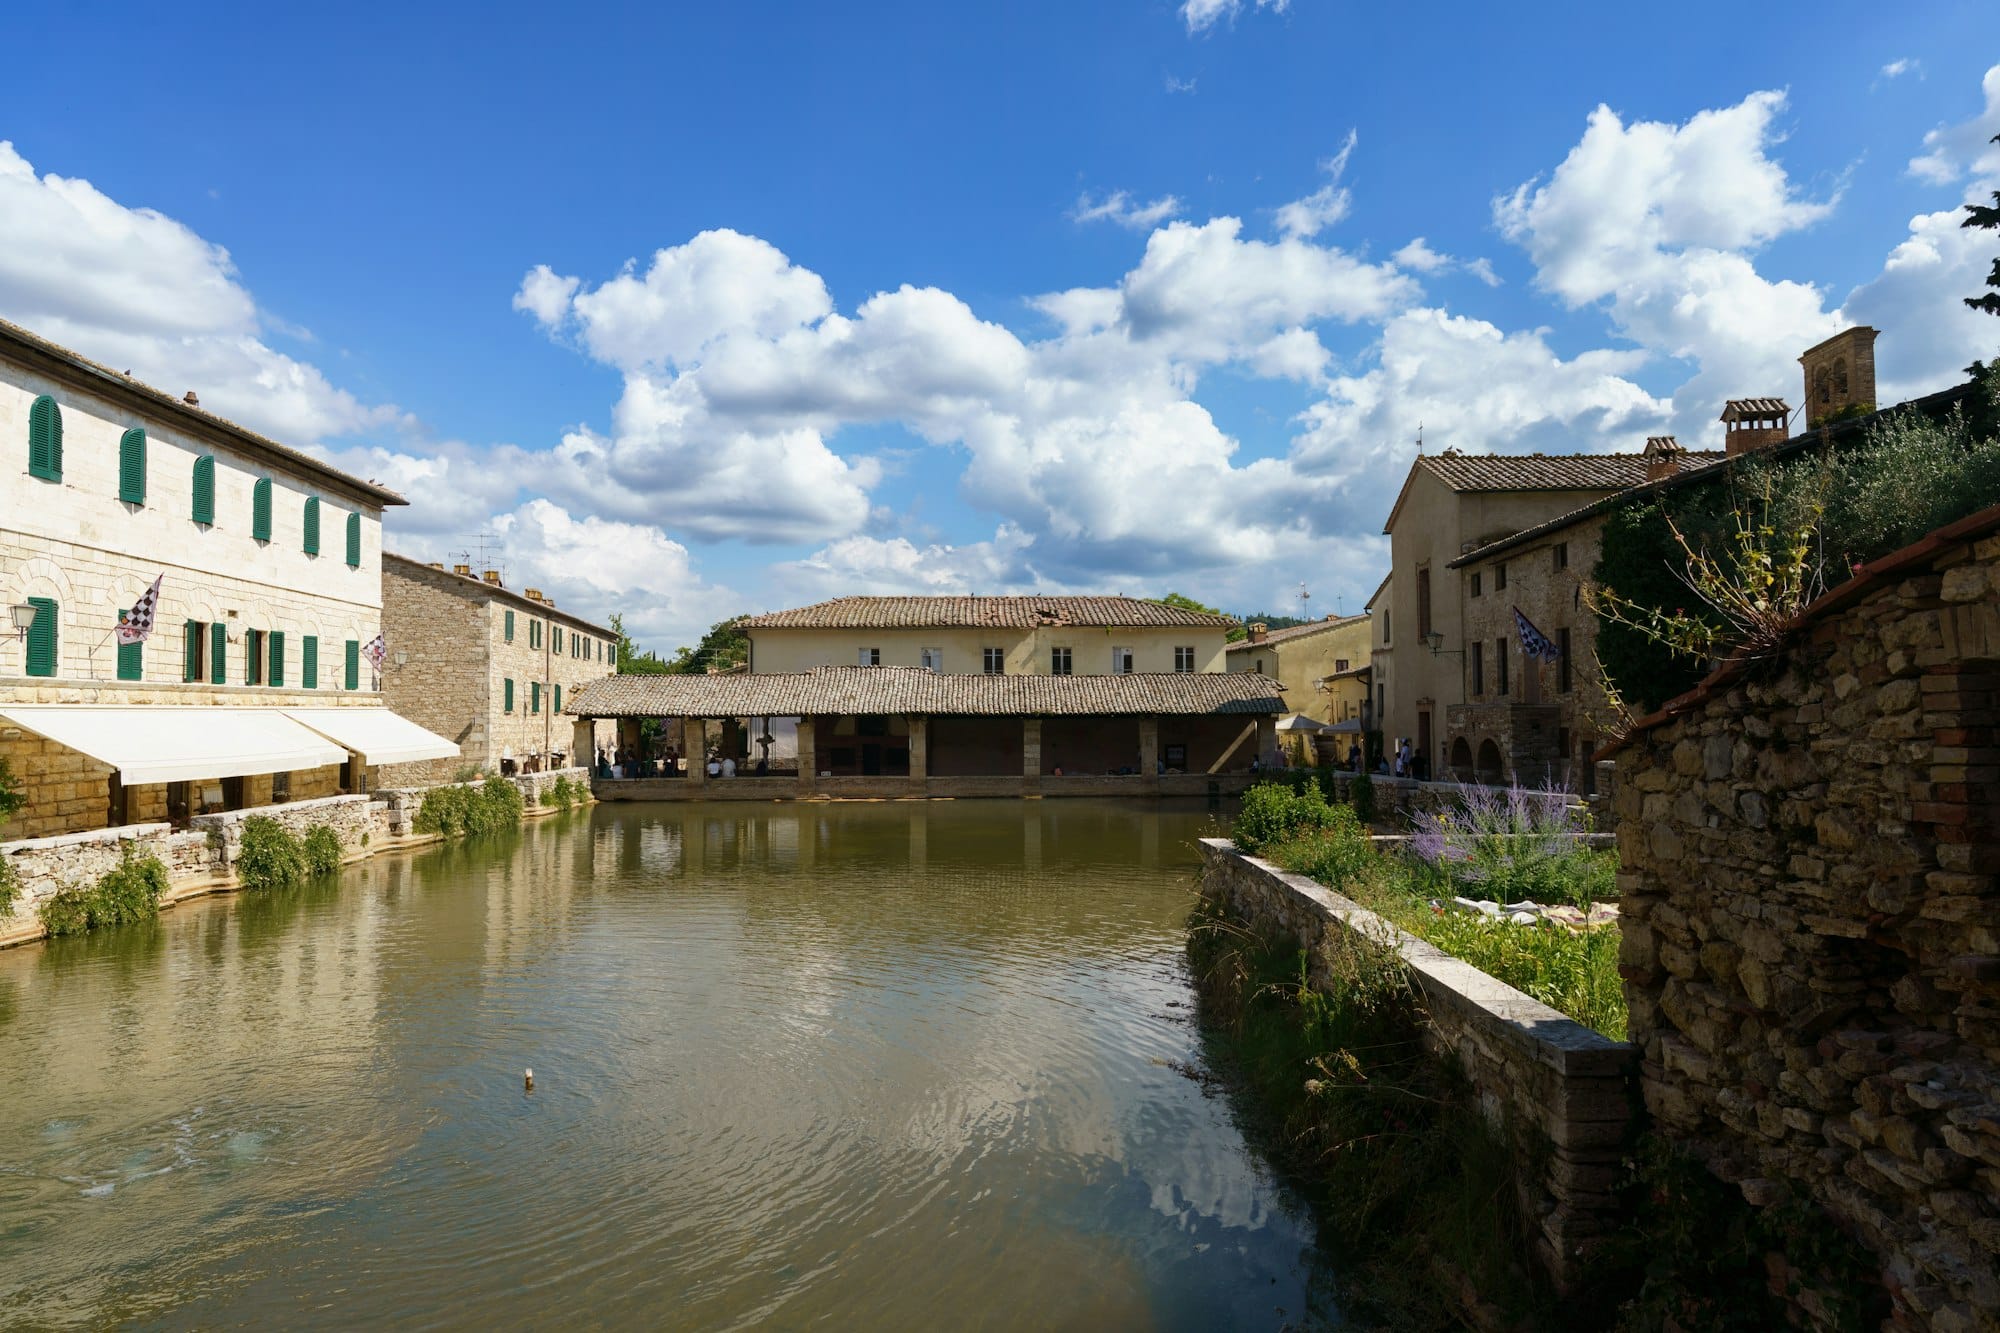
[(1059, 661), (1561, 555), (1184, 659), (1500, 577), (871, 657), (933, 659), (1121, 661), (996, 661), (1475, 583)]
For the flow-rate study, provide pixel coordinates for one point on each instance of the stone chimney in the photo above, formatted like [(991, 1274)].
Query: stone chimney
[(532, 594), (1258, 631), (1840, 376), (1749, 424), (436, 565), (492, 576), (1663, 455), (464, 571)]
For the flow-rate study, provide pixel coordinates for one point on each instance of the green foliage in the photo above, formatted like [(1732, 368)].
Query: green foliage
[(1337, 854), (726, 647), (129, 891), (468, 773), (1275, 812), (630, 661), (1707, 1260), (1361, 793), (10, 887), (269, 857), (12, 798), (458, 811), (563, 793), (1236, 633), (322, 850), (1574, 971), (1986, 217)]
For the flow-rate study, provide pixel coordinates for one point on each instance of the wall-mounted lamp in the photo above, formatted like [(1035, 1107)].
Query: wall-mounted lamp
[(24, 618), (1435, 642), (402, 659)]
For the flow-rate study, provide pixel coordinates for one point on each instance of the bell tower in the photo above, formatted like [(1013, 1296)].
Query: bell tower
[(1840, 375)]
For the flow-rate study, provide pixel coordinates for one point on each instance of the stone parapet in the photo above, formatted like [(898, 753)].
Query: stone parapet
[(1564, 1095)]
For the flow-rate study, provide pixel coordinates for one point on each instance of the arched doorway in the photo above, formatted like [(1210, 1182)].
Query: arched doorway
[(1491, 771), (1461, 759)]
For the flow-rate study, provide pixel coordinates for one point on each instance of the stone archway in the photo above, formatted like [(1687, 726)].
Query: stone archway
[(1461, 759), (1491, 770)]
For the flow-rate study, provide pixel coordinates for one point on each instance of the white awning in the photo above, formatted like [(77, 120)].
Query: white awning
[(1300, 722), (165, 743), (376, 734)]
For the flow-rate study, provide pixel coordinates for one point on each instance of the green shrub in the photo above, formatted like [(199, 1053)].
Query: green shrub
[(458, 811), (11, 796), (1337, 854), (1361, 795), (499, 806), (1273, 812), (10, 887), (129, 891), (270, 857), (562, 793), (322, 850)]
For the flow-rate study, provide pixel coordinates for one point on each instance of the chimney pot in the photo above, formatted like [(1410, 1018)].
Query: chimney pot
[(1259, 631), (532, 594), (492, 576), (190, 399), (466, 570), (1663, 455)]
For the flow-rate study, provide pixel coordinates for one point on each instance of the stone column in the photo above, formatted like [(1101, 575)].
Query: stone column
[(920, 748), (808, 766), (1149, 752), (1267, 735), (583, 745), (1031, 751), (694, 744)]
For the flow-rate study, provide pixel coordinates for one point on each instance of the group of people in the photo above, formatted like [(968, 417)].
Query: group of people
[(1402, 762), (624, 762)]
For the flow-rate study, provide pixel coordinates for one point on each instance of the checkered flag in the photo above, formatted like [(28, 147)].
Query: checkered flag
[(137, 623), (376, 651), (1534, 643)]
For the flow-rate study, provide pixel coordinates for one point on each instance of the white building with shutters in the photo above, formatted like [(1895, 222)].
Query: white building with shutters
[(270, 569)]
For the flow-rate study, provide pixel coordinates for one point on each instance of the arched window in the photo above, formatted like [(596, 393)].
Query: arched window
[(354, 540), (260, 510), (312, 525), (45, 439), (132, 466), (42, 643), (204, 490)]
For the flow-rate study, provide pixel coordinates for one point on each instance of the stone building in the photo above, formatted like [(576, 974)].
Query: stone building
[(1083, 636), (491, 668), (1323, 666), (251, 688), (1840, 376), (1811, 919)]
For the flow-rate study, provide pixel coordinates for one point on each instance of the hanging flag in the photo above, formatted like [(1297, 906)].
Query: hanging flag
[(138, 622), (1534, 643), (376, 651)]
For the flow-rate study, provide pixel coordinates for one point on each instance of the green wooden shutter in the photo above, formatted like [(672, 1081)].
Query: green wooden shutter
[(253, 656), (132, 466), (508, 705), (312, 525), (204, 489), (354, 664), (558, 707), (191, 651), (45, 439), (534, 696), (260, 510), (354, 540), (218, 654), (309, 661), (42, 637), (277, 657), (510, 627), (132, 661)]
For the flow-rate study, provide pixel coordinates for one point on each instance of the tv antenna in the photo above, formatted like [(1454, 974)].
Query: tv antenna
[(488, 550), (1303, 597)]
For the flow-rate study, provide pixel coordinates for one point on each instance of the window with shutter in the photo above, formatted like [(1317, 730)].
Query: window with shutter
[(354, 664), (260, 510), (42, 637), (309, 661), (218, 653), (354, 541), (534, 696), (312, 525), (507, 706), (558, 707), (132, 661), (132, 466), (253, 657), (191, 642), (45, 439), (204, 490), (508, 627), (277, 657)]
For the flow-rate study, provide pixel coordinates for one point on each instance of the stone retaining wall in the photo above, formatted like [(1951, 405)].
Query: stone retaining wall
[(1566, 1093), (48, 864), (1811, 888), (352, 819)]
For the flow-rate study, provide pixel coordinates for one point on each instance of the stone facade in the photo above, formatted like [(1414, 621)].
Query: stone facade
[(1840, 375), (1305, 659), (466, 640), (1563, 1092), (1811, 851)]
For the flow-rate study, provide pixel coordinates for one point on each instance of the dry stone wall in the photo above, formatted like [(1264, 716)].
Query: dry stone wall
[(1812, 923), (1563, 1091)]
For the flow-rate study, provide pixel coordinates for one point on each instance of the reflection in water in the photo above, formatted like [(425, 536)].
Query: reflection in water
[(887, 1065)]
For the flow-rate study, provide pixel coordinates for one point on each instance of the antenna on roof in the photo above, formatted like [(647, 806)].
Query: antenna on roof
[(1303, 597), (1420, 439)]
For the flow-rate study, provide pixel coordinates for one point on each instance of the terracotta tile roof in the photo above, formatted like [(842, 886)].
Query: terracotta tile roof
[(1739, 409), (984, 612), (1290, 632), (1918, 554), (474, 586), (1545, 472), (19, 342), (863, 690)]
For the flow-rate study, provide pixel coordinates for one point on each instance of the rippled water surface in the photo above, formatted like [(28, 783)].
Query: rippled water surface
[(894, 1066)]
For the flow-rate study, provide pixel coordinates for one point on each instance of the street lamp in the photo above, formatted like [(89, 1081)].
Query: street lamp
[(1435, 642), (24, 618)]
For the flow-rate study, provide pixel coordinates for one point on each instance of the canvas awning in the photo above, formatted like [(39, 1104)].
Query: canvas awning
[(1300, 722), (376, 734), (164, 743)]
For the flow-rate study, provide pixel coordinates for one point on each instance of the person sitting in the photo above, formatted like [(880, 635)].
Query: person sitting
[(763, 766), (729, 766), (714, 767)]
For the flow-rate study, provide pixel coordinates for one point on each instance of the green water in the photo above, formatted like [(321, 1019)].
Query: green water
[(893, 1066)]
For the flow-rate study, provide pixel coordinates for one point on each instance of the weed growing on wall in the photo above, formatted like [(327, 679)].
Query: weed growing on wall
[(129, 891), (12, 798), (460, 811), (10, 887), (322, 850), (270, 857), (563, 793)]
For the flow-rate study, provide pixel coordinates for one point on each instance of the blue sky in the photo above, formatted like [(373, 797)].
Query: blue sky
[(722, 308)]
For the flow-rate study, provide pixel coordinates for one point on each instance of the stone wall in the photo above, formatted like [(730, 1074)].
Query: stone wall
[(1812, 920), (350, 817), (1561, 1090), (48, 864)]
